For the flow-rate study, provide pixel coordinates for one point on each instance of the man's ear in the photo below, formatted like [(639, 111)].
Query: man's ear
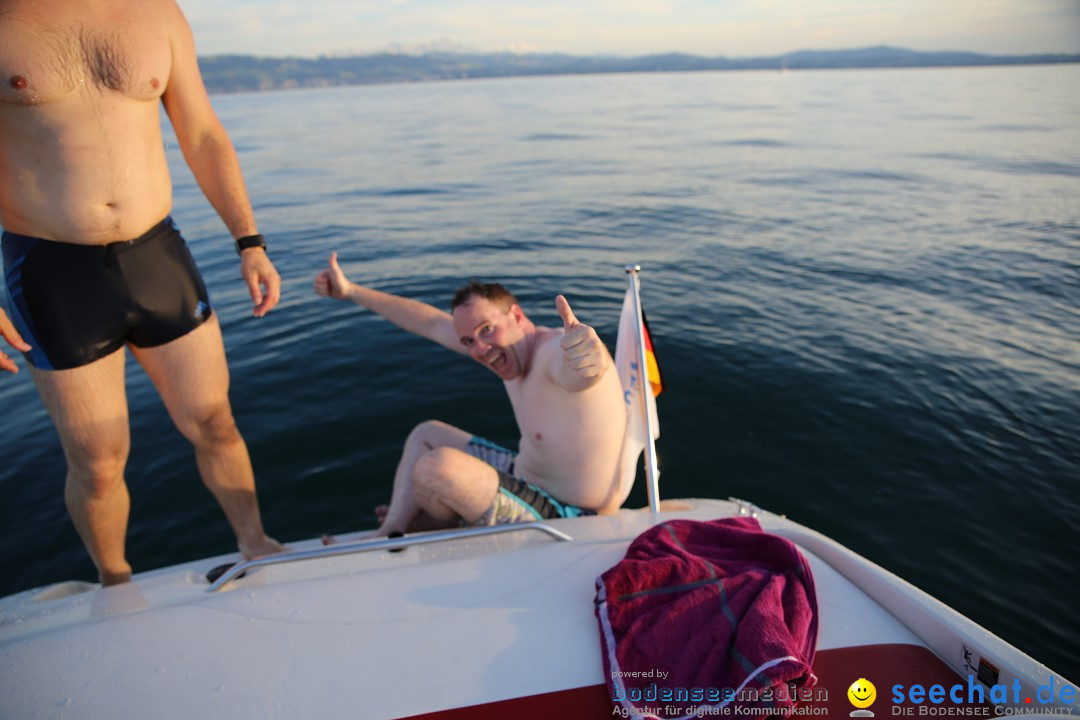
[(517, 313)]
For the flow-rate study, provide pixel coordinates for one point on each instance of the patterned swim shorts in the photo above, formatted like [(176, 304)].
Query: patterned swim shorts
[(517, 500)]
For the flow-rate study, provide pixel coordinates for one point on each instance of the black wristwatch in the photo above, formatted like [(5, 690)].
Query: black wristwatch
[(250, 241)]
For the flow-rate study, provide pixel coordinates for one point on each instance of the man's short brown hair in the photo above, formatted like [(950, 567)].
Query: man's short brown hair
[(492, 292)]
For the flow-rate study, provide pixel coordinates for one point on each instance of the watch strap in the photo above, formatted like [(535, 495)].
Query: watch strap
[(250, 241)]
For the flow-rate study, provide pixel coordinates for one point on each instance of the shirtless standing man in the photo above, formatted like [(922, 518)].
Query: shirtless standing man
[(92, 261), (566, 397)]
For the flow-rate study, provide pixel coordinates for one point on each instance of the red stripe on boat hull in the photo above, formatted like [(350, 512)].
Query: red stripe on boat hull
[(585, 702), (836, 669)]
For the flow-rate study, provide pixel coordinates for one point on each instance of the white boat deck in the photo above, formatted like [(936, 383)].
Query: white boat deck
[(393, 634)]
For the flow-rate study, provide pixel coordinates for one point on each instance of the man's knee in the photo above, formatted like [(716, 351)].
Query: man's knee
[(212, 425), (448, 482), (97, 475), (437, 486), (433, 470)]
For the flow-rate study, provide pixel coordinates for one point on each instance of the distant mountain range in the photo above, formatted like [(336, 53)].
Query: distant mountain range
[(246, 73)]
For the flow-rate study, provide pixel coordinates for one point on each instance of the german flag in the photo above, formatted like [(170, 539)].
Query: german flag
[(652, 368)]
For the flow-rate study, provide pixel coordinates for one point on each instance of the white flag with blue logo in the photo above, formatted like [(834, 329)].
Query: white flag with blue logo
[(628, 366)]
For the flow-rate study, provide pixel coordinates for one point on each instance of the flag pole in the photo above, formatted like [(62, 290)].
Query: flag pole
[(652, 470)]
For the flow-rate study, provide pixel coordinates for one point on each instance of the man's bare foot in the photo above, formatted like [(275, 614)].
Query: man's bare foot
[(265, 546), (329, 540)]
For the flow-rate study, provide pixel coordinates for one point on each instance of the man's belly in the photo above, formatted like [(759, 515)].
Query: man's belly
[(83, 185), (90, 219)]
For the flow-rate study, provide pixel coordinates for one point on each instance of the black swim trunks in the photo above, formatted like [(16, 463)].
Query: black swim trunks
[(78, 303)]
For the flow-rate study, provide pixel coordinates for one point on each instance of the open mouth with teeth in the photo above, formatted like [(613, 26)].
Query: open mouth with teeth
[(496, 360)]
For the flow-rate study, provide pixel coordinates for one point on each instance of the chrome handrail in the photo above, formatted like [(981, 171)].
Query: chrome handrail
[(362, 546)]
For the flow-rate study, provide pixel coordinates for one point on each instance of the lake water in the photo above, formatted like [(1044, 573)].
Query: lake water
[(863, 288)]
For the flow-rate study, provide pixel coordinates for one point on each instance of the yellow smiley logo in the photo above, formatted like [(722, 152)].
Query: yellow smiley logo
[(862, 693)]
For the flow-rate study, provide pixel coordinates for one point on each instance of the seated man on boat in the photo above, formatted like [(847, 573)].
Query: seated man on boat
[(565, 395)]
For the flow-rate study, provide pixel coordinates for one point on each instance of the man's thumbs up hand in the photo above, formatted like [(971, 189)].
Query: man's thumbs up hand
[(582, 350)]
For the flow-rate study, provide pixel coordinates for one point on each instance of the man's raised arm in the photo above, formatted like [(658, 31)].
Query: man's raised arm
[(417, 317)]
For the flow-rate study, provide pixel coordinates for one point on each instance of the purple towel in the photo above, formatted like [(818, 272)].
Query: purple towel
[(700, 615)]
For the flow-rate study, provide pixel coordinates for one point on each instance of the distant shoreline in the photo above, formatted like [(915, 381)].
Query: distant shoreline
[(247, 73)]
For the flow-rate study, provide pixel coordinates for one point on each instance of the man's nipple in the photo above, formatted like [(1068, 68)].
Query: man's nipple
[(18, 82)]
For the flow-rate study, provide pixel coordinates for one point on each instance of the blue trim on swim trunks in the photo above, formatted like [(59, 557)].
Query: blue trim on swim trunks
[(15, 248), (484, 442), (564, 510)]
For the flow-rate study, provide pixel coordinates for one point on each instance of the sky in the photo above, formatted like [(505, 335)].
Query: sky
[(730, 28)]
